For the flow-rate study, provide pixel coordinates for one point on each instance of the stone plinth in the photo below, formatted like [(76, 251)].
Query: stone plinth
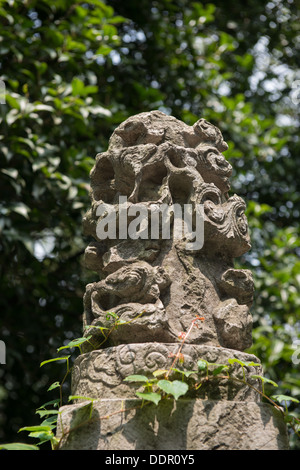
[(101, 373), (222, 414), (187, 424)]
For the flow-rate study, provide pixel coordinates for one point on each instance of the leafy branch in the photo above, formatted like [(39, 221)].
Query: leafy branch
[(45, 432)]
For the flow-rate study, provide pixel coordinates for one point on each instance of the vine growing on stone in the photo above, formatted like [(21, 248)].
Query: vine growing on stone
[(164, 384)]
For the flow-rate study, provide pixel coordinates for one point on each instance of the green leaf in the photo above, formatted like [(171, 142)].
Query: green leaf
[(284, 398), (186, 373), (136, 378), (53, 386), (43, 107), (18, 446), (242, 363), (117, 19), (149, 396), (252, 364), (75, 343), (219, 369), (87, 327), (79, 397), (43, 413), (289, 418), (44, 433), (103, 50), (43, 436), (265, 380), (99, 110), (12, 100), (64, 358), (159, 372), (52, 402), (12, 172), (111, 314), (235, 361), (175, 388), (90, 89), (77, 86), (202, 365), (21, 209), (36, 428), (50, 421)]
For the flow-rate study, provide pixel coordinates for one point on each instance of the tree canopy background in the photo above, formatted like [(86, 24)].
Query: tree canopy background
[(73, 71)]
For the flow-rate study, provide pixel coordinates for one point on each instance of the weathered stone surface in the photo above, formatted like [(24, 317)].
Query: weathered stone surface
[(155, 159), (101, 373), (154, 280), (182, 425)]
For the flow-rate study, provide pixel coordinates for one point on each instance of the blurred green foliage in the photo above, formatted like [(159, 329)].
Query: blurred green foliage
[(73, 70)]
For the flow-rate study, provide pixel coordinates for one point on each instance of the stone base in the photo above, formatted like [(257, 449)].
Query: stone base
[(221, 414), (101, 373), (187, 424)]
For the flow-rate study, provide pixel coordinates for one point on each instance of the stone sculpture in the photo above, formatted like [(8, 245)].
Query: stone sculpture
[(156, 280), (154, 159)]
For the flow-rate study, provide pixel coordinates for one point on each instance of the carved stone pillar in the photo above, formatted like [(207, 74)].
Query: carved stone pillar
[(165, 234)]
